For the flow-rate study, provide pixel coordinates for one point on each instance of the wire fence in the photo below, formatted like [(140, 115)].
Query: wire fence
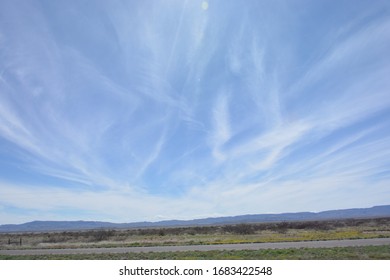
[(11, 241)]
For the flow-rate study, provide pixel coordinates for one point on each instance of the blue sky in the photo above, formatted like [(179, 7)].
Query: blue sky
[(151, 110)]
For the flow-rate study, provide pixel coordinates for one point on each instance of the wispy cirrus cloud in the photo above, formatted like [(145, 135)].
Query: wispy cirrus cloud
[(221, 126), (194, 112)]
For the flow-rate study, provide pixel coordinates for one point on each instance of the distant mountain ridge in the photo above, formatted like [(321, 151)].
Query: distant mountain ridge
[(43, 226)]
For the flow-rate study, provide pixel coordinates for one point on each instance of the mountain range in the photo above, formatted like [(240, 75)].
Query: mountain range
[(44, 226)]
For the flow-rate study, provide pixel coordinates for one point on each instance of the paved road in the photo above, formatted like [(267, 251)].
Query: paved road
[(251, 246)]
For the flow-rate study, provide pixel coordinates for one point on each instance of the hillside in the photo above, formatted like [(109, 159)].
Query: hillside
[(42, 226)]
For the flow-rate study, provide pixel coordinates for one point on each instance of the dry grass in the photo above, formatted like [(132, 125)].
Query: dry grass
[(345, 253), (243, 233)]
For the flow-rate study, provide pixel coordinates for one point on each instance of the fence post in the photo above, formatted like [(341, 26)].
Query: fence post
[(20, 241)]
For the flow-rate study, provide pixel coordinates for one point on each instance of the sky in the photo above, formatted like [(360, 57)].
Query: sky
[(127, 111)]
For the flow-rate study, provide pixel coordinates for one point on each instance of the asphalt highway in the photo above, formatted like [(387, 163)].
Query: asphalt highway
[(246, 246)]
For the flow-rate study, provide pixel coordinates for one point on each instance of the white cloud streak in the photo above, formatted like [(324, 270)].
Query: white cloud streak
[(221, 132), (207, 103)]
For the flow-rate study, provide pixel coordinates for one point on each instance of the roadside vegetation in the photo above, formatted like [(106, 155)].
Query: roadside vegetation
[(345, 253), (196, 235)]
